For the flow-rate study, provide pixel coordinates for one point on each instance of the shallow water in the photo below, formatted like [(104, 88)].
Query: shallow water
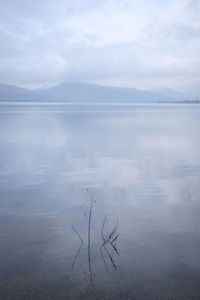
[(139, 165)]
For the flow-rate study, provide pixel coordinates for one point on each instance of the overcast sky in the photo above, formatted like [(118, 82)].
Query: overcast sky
[(134, 43)]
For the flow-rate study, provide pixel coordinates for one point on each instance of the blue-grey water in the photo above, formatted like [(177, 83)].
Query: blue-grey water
[(134, 169)]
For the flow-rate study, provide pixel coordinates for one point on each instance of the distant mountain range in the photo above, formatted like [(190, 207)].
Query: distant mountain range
[(173, 94), (83, 92)]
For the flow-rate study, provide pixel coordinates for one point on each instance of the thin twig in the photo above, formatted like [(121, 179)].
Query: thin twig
[(114, 247), (102, 228), (77, 234), (112, 233), (114, 239), (79, 249), (106, 267), (77, 253), (89, 241), (110, 257)]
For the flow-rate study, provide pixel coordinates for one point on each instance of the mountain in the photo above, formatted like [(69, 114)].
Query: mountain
[(84, 92), (172, 94), (13, 93)]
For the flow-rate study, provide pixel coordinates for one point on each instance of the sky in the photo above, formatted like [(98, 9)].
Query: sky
[(133, 43)]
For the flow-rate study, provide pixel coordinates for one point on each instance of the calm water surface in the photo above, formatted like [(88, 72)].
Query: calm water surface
[(99, 202)]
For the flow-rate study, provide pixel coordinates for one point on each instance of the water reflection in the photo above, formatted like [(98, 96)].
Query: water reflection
[(142, 167), (79, 249), (108, 243)]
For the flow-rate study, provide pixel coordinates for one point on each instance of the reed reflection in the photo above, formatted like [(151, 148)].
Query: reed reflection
[(108, 244)]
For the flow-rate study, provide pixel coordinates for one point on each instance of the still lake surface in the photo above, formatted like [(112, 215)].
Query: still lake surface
[(134, 169)]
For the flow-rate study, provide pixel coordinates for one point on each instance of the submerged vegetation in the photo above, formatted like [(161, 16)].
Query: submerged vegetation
[(110, 239), (108, 246)]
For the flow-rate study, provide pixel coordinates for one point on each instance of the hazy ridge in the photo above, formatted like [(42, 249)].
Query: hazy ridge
[(83, 92)]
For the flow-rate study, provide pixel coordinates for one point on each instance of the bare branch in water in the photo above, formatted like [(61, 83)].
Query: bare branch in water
[(114, 239), (106, 267), (102, 228), (77, 234), (112, 243), (110, 257), (114, 248), (77, 254), (111, 235), (79, 249), (89, 241), (111, 240)]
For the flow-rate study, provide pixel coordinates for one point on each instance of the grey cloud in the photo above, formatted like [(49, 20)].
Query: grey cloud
[(102, 41)]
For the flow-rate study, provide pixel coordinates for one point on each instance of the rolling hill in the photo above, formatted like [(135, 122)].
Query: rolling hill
[(84, 92)]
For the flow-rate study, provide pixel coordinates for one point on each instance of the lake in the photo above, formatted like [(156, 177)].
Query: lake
[(99, 201)]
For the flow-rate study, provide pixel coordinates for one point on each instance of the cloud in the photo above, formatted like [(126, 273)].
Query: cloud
[(133, 43)]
